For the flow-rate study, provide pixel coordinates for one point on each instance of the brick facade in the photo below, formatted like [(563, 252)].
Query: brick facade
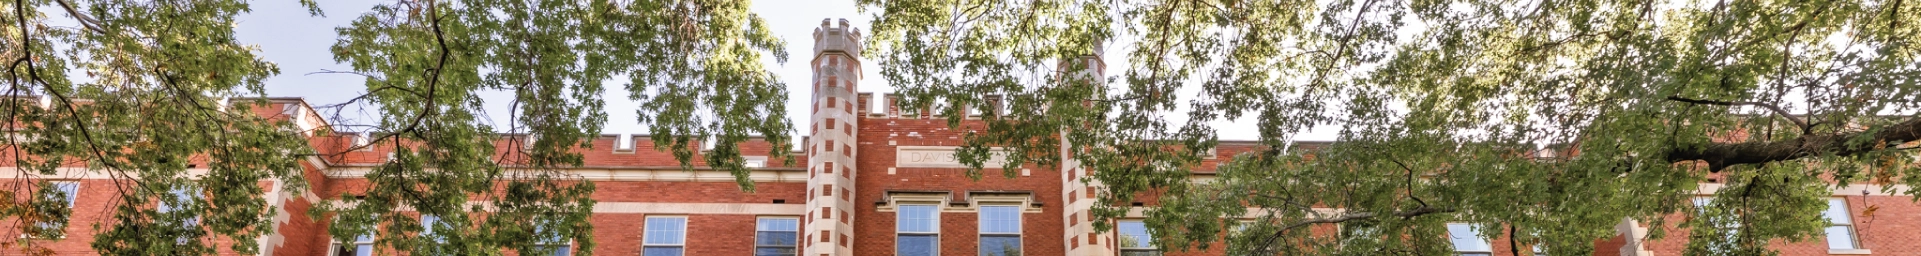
[(843, 187)]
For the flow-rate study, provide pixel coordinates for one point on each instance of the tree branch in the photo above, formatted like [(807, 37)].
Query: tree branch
[(1416, 212), (1410, 182), (87, 21), (1803, 124), (1513, 245), (1722, 155)]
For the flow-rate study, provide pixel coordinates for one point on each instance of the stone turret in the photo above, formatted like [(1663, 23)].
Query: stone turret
[(1081, 238), (829, 227)]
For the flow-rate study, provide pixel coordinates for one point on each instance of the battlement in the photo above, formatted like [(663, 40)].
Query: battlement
[(843, 39)]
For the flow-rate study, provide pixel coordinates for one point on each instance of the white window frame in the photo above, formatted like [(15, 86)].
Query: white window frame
[(683, 233), (754, 162), (1020, 226), (1453, 239), (567, 245), (334, 248), (757, 230), (1845, 221), (1149, 241), (936, 225)]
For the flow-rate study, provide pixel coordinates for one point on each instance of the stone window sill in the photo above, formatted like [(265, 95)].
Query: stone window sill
[(1849, 252)]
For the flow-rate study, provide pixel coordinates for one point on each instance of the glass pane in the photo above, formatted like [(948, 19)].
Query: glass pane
[(1000, 245), (69, 189), (1000, 219), (661, 251), (1134, 235), (1141, 253), (1466, 238), (917, 218), (773, 224), (1840, 237), (1837, 211), (181, 195), (427, 225), (564, 251), (776, 238), (340, 250), (666, 231), (368, 238), (916, 245), (364, 250), (772, 251)]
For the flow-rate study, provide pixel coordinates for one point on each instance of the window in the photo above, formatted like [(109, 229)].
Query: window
[(559, 247), (666, 236), (555, 245), (1840, 227), (777, 237), (1467, 240), (1539, 245), (624, 143), (1358, 230), (69, 189), (181, 195), (917, 228), (183, 198), (361, 246), (66, 191), (754, 162), (59, 191), (427, 225), (1731, 226), (1239, 229), (1000, 230), (1135, 241)]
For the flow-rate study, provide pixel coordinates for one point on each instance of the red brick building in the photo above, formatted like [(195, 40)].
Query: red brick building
[(872, 179)]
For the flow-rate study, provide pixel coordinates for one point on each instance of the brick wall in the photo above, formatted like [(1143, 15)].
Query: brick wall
[(1040, 234), (1891, 231)]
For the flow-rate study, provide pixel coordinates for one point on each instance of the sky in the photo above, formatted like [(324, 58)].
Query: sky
[(298, 43)]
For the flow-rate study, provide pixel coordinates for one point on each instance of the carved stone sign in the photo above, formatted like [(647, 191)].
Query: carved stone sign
[(941, 157)]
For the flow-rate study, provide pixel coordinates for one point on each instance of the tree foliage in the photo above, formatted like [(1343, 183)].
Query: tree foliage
[(693, 65), (1439, 108), (138, 89), (140, 92)]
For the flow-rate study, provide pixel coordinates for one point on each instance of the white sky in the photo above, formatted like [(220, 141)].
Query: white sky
[(299, 43)]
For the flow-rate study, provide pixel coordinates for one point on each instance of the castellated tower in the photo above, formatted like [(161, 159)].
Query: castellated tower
[(829, 228), (1079, 196)]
